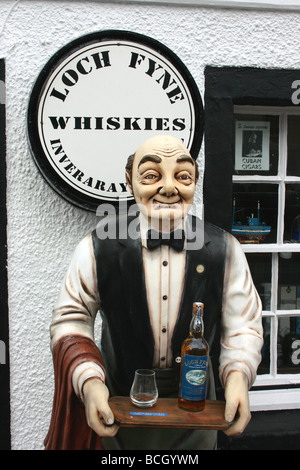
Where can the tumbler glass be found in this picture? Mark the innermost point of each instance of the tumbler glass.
(144, 392)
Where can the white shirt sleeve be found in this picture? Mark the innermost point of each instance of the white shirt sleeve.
(241, 324)
(76, 308)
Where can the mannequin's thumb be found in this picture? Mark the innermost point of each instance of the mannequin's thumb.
(230, 411)
(108, 416)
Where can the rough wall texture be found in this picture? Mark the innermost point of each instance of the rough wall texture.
(43, 229)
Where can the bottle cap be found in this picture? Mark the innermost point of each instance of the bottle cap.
(198, 306)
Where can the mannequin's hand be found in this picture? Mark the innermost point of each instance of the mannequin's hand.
(98, 413)
(237, 403)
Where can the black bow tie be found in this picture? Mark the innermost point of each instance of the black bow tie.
(174, 239)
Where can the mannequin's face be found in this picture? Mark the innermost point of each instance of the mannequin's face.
(163, 180)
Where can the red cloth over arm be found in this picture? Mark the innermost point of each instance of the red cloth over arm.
(68, 427)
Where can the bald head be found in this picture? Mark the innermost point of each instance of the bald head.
(157, 147)
(162, 177)
(162, 145)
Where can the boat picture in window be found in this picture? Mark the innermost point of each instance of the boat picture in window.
(253, 231)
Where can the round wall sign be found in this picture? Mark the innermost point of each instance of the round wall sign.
(96, 101)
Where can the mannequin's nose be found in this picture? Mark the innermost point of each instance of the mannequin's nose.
(169, 187)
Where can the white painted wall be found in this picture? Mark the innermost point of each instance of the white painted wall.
(43, 229)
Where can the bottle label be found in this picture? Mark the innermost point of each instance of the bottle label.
(194, 377)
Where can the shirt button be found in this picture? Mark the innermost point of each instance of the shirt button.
(164, 330)
(165, 297)
(200, 268)
(165, 263)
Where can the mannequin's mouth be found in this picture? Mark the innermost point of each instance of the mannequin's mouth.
(166, 205)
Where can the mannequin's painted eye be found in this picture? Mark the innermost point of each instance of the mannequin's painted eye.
(151, 176)
(184, 177)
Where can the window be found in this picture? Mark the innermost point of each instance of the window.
(266, 220)
(252, 158)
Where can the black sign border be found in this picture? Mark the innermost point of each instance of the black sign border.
(59, 185)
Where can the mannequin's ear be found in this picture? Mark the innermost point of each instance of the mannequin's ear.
(196, 172)
(128, 181)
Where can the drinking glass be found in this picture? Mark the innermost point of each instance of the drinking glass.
(144, 392)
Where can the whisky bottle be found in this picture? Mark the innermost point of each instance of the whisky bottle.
(194, 364)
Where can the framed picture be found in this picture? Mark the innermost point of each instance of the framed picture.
(252, 146)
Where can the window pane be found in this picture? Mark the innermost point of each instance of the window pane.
(289, 281)
(255, 207)
(292, 213)
(288, 359)
(260, 266)
(264, 367)
(293, 163)
(256, 144)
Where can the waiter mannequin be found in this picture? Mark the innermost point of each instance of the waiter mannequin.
(162, 177)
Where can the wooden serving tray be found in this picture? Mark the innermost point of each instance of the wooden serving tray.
(166, 413)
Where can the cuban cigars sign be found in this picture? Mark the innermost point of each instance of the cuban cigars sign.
(96, 101)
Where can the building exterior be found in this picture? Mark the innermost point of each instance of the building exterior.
(244, 57)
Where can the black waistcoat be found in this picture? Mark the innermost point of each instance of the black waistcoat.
(127, 340)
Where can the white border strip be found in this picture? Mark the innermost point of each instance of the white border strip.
(258, 4)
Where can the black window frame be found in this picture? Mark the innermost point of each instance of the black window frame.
(5, 440)
(226, 87)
